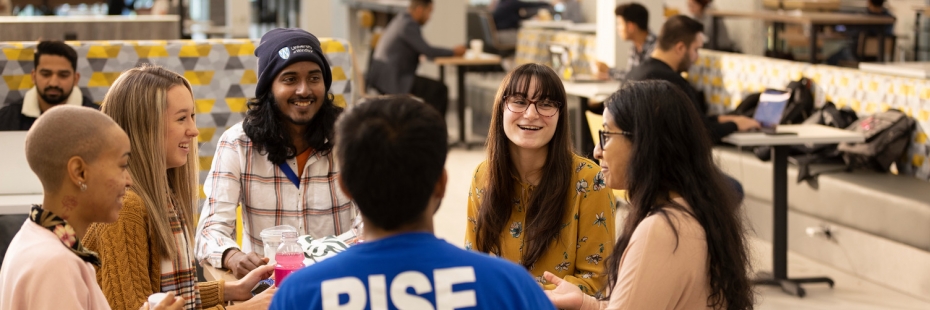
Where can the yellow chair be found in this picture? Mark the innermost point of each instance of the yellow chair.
(594, 124)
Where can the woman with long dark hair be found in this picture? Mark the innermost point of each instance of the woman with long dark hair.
(533, 201)
(682, 245)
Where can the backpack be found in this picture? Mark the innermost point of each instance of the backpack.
(886, 138)
(799, 108)
(806, 154)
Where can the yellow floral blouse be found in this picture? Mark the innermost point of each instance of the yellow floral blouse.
(587, 236)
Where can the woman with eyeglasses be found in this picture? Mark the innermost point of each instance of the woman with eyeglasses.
(533, 201)
(682, 245)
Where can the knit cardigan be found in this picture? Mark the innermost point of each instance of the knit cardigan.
(131, 263)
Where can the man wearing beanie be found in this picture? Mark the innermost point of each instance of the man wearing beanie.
(394, 65)
(278, 162)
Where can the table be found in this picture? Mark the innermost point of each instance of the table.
(18, 204)
(805, 133)
(87, 28)
(211, 273)
(388, 6)
(461, 64)
(918, 10)
(919, 70)
(588, 91)
(813, 20)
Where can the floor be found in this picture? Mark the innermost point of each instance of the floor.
(850, 292)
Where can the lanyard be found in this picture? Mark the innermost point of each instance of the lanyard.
(290, 173)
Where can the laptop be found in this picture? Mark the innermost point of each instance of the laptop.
(16, 178)
(769, 112)
(562, 64)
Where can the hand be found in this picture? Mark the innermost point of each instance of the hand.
(261, 301)
(241, 264)
(744, 123)
(169, 303)
(242, 289)
(565, 295)
(458, 50)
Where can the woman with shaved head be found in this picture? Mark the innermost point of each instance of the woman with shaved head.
(81, 156)
(150, 248)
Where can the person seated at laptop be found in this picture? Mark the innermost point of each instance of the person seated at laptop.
(80, 156)
(632, 26)
(55, 78)
(679, 41)
(393, 68)
(391, 152)
(533, 201)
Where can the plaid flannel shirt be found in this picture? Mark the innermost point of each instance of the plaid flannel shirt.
(241, 175)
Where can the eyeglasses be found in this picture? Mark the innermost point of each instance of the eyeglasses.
(604, 133)
(519, 104)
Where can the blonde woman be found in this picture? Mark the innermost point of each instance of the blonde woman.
(149, 249)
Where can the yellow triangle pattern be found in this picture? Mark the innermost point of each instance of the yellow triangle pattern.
(201, 50)
(338, 74)
(19, 53)
(103, 51)
(18, 82)
(203, 195)
(249, 77)
(205, 162)
(917, 160)
(237, 105)
(199, 77)
(102, 79)
(339, 101)
(240, 49)
(332, 46)
(204, 105)
(206, 134)
(921, 138)
(148, 51)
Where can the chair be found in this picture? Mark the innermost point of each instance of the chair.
(481, 27)
(867, 47)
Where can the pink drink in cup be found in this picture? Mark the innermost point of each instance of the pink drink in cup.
(288, 258)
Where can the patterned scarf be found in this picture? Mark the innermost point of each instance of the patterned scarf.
(178, 274)
(65, 233)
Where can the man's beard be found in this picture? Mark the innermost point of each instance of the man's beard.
(54, 100)
(684, 64)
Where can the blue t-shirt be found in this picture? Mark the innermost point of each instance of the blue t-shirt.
(413, 271)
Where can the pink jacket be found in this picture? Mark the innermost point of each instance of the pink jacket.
(39, 272)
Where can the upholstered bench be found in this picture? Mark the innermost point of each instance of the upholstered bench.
(885, 205)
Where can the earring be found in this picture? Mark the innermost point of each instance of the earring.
(83, 187)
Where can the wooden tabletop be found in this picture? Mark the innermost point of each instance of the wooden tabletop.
(19, 204)
(482, 59)
(799, 17)
(215, 274)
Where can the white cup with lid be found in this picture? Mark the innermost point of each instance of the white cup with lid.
(156, 299)
(271, 238)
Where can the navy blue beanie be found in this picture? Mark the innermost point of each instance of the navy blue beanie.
(282, 47)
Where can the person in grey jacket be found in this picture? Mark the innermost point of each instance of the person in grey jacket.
(394, 65)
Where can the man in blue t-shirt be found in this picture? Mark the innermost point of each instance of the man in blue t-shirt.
(391, 153)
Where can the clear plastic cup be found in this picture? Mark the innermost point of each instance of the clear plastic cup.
(156, 299)
(271, 238)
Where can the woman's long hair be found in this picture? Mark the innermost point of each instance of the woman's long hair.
(138, 102)
(263, 124)
(671, 152)
(547, 204)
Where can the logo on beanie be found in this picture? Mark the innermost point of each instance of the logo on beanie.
(285, 52)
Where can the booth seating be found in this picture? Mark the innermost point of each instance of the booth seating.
(879, 218)
(221, 71)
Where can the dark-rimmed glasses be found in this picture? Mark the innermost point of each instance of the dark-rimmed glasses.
(604, 133)
(518, 104)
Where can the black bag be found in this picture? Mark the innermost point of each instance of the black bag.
(806, 154)
(886, 138)
(800, 106)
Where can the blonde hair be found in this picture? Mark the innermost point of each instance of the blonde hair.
(138, 102)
